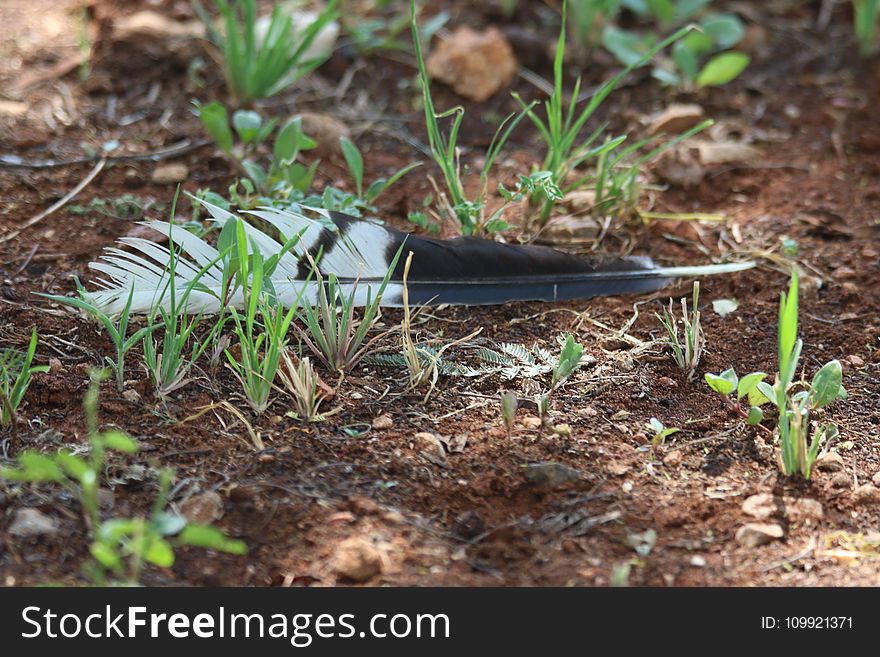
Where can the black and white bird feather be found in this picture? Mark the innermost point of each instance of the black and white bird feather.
(464, 271)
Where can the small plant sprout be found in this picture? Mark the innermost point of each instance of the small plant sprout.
(866, 16)
(509, 403)
(167, 364)
(118, 544)
(470, 214)
(746, 389)
(563, 122)
(123, 546)
(355, 162)
(16, 370)
(282, 176)
(332, 333)
(304, 386)
(702, 58)
(569, 361)
(424, 363)
(660, 432)
(79, 476)
(261, 344)
(117, 329)
(687, 349)
(799, 441)
(264, 56)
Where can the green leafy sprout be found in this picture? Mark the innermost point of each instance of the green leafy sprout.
(16, 370)
(687, 349)
(116, 540)
(260, 63)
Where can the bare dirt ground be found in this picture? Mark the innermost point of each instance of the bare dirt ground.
(468, 516)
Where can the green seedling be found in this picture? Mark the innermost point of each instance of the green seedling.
(742, 396)
(261, 344)
(116, 542)
(659, 432)
(509, 403)
(702, 58)
(257, 62)
(116, 329)
(866, 14)
(796, 400)
(283, 176)
(469, 213)
(355, 162)
(303, 385)
(16, 370)
(331, 332)
(687, 349)
(563, 123)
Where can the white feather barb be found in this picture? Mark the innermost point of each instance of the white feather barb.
(144, 267)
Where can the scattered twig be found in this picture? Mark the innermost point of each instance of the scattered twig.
(180, 148)
(57, 205)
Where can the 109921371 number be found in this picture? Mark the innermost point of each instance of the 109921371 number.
(818, 622)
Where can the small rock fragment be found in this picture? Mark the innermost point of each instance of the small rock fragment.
(171, 173)
(357, 559)
(468, 525)
(383, 422)
(131, 395)
(617, 468)
(153, 25)
(830, 462)
(13, 108)
(363, 505)
(677, 118)
(761, 506)
(876, 478)
(867, 495)
(55, 366)
(673, 458)
(804, 510)
(531, 422)
(856, 361)
(679, 167)
(203, 508)
(725, 152)
(430, 446)
(29, 523)
(754, 534)
(550, 474)
(475, 64)
(106, 498)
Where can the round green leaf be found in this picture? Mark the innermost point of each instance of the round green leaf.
(120, 442)
(628, 47)
(160, 552)
(212, 538)
(755, 416)
(749, 383)
(724, 29)
(247, 124)
(722, 68)
(723, 383)
(826, 385)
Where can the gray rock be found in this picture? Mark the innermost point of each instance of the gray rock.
(830, 462)
(761, 506)
(754, 534)
(30, 523)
